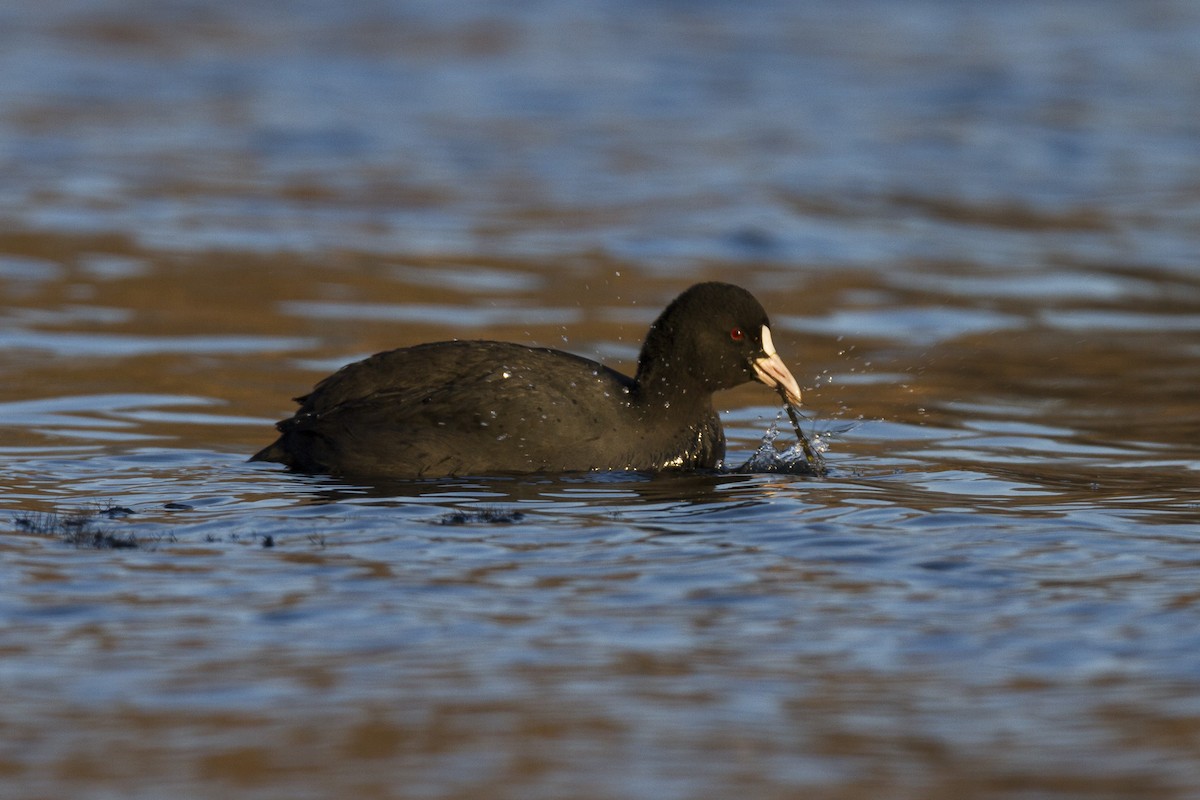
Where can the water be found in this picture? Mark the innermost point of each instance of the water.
(974, 227)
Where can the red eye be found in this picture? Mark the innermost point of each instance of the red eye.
(737, 334)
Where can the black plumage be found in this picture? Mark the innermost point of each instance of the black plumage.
(481, 407)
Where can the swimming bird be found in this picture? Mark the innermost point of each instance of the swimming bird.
(483, 407)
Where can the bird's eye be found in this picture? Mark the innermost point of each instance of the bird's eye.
(737, 334)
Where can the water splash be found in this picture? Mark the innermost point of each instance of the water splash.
(805, 457)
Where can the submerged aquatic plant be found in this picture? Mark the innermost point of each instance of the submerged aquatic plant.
(812, 456)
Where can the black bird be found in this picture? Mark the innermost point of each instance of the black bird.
(482, 408)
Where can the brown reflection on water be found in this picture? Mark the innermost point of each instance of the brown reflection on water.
(168, 300)
(244, 332)
(981, 267)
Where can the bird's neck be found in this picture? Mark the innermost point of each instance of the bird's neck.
(676, 392)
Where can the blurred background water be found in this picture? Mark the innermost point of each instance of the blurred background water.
(975, 227)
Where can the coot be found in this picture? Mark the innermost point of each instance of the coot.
(481, 408)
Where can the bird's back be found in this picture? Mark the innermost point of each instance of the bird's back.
(471, 407)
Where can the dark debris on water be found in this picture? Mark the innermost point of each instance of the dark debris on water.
(264, 540)
(85, 528)
(79, 528)
(490, 516)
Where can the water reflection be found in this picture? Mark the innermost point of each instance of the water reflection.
(79, 345)
(598, 494)
(461, 317)
(974, 230)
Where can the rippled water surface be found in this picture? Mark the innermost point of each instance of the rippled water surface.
(976, 228)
